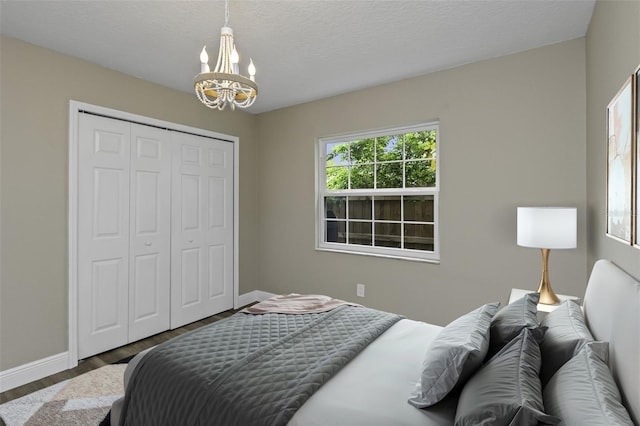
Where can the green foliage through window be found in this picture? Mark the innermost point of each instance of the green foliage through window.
(398, 161)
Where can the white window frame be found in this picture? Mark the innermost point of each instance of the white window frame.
(322, 192)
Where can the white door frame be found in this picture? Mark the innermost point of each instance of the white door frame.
(75, 109)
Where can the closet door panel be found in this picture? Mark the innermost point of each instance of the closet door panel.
(216, 208)
(217, 270)
(202, 270)
(150, 232)
(190, 200)
(109, 186)
(106, 276)
(187, 266)
(145, 292)
(219, 171)
(191, 278)
(103, 234)
(190, 238)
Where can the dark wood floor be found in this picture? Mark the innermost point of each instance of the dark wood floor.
(106, 358)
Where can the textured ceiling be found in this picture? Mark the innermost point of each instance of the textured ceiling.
(303, 49)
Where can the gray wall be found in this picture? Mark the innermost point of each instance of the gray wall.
(34, 137)
(512, 133)
(613, 53)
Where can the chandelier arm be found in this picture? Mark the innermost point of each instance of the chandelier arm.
(220, 57)
(228, 46)
(224, 54)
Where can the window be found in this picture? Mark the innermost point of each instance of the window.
(378, 193)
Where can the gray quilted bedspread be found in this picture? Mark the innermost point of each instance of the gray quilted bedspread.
(247, 369)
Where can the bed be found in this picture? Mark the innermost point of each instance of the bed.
(393, 378)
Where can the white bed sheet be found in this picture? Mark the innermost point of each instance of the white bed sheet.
(374, 387)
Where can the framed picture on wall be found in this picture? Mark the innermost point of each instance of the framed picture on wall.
(620, 159)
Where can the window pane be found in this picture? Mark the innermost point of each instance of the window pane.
(418, 208)
(335, 207)
(387, 235)
(337, 154)
(389, 148)
(362, 151)
(360, 233)
(362, 176)
(418, 237)
(338, 177)
(420, 174)
(360, 208)
(336, 231)
(420, 144)
(387, 208)
(389, 175)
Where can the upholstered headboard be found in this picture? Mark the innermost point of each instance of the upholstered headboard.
(612, 311)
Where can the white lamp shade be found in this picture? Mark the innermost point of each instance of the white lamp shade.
(547, 227)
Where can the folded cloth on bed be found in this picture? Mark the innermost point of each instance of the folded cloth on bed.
(296, 304)
(247, 369)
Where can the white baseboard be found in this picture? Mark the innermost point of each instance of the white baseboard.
(36, 370)
(253, 296)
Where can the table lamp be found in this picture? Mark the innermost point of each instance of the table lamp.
(547, 228)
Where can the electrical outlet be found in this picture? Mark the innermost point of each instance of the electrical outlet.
(360, 290)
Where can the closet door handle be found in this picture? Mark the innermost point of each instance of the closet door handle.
(148, 243)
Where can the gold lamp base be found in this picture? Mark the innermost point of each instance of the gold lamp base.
(547, 295)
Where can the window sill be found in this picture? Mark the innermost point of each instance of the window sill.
(388, 256)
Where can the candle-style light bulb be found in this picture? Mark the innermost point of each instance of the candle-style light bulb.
(235, 59)
(204, 59)
(252, 70)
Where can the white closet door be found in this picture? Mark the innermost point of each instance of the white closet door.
(150, 236)
(103, 237)
(202, 228)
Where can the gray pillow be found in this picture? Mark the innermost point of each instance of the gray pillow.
(506, 390)
(582, 392)
(454, 355)
(566, 334)
(510, 320)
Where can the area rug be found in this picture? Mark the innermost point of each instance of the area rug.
(84, 400)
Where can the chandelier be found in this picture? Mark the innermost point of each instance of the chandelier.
(225, 86)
